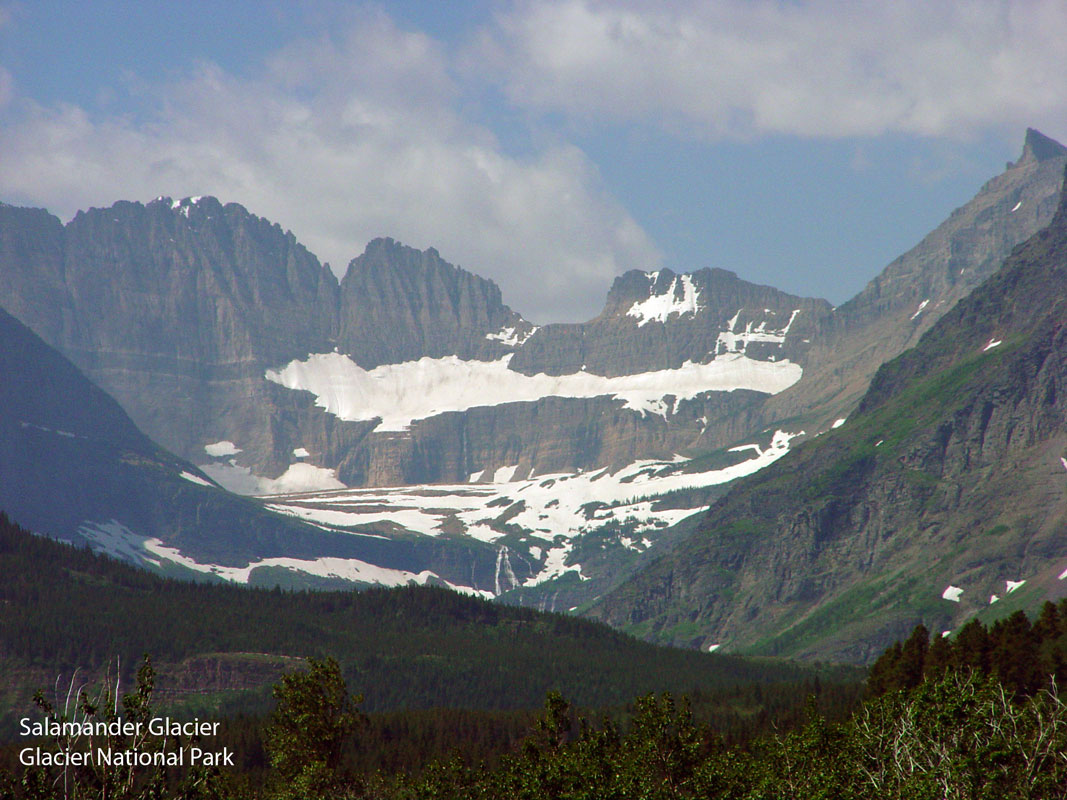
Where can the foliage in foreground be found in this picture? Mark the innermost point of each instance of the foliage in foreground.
(961, 736)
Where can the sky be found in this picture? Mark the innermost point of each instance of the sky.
(549, 146)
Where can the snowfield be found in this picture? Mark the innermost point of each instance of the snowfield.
(399, 394)
(658, 307)
(544, 517)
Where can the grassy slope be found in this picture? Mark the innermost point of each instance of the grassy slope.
(949, 472)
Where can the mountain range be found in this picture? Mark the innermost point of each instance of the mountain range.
(423, 430)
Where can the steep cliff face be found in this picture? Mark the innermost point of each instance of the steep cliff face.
(176, 308)
(74, 466)
(402, 304)
(943, 493)
(904, 300)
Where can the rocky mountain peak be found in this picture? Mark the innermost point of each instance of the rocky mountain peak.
(399, 303)
(1038, 147)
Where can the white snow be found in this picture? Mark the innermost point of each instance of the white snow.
(399, 394)
(879, 443)
(556, 508)
(114, 539)
(734, 341)
(508, 336)
(554, 566)
(919, 310)
(992, 343)
(945, 634)
(1063, 575)
(743, 447)
(838, 422)
(993, 598)
(658, 307)
(330, 567)
(1016, 206)
(713, 647)
(299, 477)
(1013, 585)
(300, 452)
(476, 476)
(220, 449)
(194, 478)
(952, 593)
(56, 431)
(505, 474)
(1063, 461)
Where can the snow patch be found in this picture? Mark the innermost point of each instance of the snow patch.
(351, 569)
(399, 394)
(114, 539)
(510, 336)
(220, 449)
(1012, 586)
(299, 477)
(838, 422)
(713, 647)
(658, 307)
(952, 593)
(733, 341)
(919, 310)
(945, 634)
(992, 343)
(505, 474)
(1016, 207)
(194, 478)
(300, 452)
(993, 598)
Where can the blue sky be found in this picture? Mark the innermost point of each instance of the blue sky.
(547, 145)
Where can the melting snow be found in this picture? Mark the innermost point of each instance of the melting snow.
(993, 598)
(330, 567)
(1016, 206)
(945, 634)
(733, 341)
(509, 337)
(992, 343)
(223, 448)
(1063, 575)
(919, 310)
(505, 474)
(1013, 585)
(301, 452)
(838, 422)
(1063, 461)
(660, 306)
(556, 508)
(713, 647)
(952, 593)
(114, 539)
(299, 477)
(399, 394)
(476, 476)
(194, 478)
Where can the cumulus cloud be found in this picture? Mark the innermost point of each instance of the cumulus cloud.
(344, 138)
(820, 69)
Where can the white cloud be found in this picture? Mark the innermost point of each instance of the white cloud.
(744, 67)
(343, 139)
